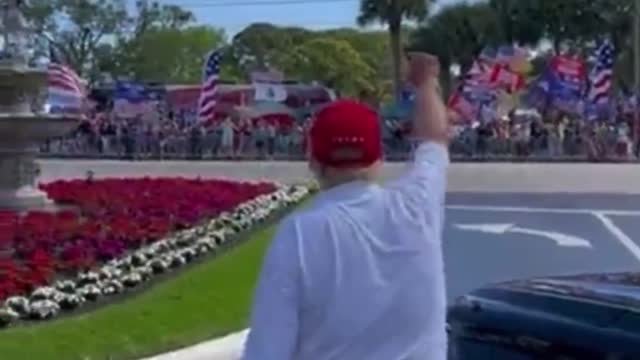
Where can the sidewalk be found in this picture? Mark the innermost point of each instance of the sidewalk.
(226, 348)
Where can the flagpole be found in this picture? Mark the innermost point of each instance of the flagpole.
(636, 71)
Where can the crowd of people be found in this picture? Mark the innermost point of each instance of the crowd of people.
(565, 138)
(177, 135)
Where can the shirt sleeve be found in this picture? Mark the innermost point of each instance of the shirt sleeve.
(274, 320)
(424, 185)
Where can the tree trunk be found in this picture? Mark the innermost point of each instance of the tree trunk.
(396, 56)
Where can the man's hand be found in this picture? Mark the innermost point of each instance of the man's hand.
(431, 123)
(424, 69)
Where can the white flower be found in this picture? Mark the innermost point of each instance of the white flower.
(44, 309)
(7, 316)
(109, 272)
(138, 259)
(112, 287)
(88, 278)
(131, 280)
(19, 304)
(177, 261)
(188, 254)
(66, 286)
(71, 301)
(159, 266)
(43, 293)
(144, 271)
(218, 237)
(90, 292)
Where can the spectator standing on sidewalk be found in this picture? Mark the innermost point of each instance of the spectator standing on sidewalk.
(226, 146)
(359, 274)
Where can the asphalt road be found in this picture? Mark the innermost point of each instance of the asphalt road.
(497, 237)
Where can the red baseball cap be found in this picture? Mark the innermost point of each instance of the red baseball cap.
(346, 134)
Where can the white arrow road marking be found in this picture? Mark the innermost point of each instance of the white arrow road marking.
(559, 238)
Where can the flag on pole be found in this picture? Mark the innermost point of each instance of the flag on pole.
(600, 78)
(210, 82)
(67, 91)
(268, 86)
(133, 99)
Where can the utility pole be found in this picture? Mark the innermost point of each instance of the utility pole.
(636, 72)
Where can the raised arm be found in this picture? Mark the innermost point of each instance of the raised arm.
(430, 123)
(424, 185)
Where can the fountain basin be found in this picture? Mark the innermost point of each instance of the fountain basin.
(20, 137)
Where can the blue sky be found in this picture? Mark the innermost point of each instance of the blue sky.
(234, 15)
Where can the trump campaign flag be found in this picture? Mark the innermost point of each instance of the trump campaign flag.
(133, 99)
(566, 77)
(562, 84)
(465, 108)
(494, 72)
(506, 67)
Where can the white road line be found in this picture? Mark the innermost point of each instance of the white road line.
(625, 240)
(543, 210)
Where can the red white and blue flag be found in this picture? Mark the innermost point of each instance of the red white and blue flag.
(600, 78)
(209, 90)
(67, 91)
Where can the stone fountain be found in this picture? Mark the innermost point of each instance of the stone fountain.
(24, 124)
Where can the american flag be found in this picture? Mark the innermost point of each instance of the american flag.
(67, 92)
(64, 80)
(209, 88)
(600, 79)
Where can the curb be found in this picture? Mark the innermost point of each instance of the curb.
(226, 348)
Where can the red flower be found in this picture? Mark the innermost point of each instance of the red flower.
(107, 218)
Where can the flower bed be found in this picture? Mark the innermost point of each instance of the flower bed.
(115, 234)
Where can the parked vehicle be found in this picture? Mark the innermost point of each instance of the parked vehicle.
(583, 317)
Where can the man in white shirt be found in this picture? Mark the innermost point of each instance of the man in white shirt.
(359, 274)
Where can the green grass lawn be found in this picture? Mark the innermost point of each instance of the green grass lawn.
(209, 300)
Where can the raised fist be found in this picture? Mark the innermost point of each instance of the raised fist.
(423, 68)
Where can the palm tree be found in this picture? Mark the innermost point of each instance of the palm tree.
(393, 13)
(456, 34)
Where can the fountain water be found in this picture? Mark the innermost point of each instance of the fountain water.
(24, 124)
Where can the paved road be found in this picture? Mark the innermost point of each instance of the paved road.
(610, 224)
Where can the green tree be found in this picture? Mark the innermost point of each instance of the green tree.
(77, 28)
(520, 21)
(151, 23)
(173, 55)
(373, 47)
(392, 13)
(456, 35)
(153, 15)
(566, 23)
(333, 62)
(262, 46)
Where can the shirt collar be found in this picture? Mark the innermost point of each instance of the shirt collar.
(345, 192)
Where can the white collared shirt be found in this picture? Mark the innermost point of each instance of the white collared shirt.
(359, 274)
